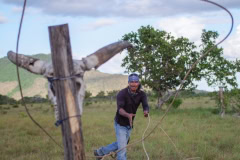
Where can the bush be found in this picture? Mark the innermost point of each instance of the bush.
(3, 112)
(6, 108)
(231, 100)
(34, 99)
(100, 94)
(15, 106)
(7, 100)
(87, 103)
(177, 102)
(88, 94)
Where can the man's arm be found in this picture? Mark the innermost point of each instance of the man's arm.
(145, 105)
(122, 112)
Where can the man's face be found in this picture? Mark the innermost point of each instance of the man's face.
(133, 85)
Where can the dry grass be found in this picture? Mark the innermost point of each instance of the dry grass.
(197, 132)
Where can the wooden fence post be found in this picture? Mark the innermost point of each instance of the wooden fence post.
(222, 113)
(66, 93)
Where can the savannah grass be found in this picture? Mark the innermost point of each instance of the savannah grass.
(193, 127)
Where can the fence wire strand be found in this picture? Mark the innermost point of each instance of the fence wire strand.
(19, 80)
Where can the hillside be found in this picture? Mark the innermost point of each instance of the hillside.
(37, 85)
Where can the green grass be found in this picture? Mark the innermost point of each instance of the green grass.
(195, 130)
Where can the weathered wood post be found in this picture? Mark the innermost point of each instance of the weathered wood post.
(66, 93)
(222, 113)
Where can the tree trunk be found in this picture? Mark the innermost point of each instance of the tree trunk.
(159, 103)
(163, 97)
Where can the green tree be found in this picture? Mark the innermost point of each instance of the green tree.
(217, 70)
(88, 94)
(100, 94)
(112, 94)
(177, 102)
(231, 100)
(162, 61)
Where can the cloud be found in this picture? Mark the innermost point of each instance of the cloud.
(18, 9)
(100, 23)
(114, 64)
(232, 45)
(124, 8)
(190, 27)
(3, 19)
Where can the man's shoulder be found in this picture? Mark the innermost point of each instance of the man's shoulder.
(142, 91)
(123, 91)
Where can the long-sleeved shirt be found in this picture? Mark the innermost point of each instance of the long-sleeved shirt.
(130, 103)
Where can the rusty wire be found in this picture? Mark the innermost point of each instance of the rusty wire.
(19, 80)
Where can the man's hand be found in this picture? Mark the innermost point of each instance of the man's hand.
(130, 117)
(145, 113)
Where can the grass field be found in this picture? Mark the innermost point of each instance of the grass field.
(194, 128)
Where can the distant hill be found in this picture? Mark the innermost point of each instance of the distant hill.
(37, 85)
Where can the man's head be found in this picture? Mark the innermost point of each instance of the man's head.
(133, 82)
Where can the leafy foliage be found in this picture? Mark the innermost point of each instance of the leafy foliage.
(231, 100)
(100, 94)
(177, 102)
(162, 61)
(7, 100)
(88, 94)
(217, 70)
(35, 99)
(112, 94)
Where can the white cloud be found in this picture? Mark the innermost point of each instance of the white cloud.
(3, 19)
(114, 64)
(190, 27)
(232, 45)
(19, 9)
(124, 8)
(100, 23)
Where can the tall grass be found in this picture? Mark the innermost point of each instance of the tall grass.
(194, 129)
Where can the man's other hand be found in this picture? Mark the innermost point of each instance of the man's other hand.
(145, 113)
(130, 117)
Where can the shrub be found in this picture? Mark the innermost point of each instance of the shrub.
(3, 112)
(87, 103)
(6, 108)
(7, 100)
(100, 94)
(88, 94)
(177, 102)
(231, 100)
(15, 106)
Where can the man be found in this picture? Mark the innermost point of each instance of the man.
(128, 101)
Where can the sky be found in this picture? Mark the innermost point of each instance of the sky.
(96, 23)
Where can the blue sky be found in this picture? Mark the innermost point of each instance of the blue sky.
(94, 24)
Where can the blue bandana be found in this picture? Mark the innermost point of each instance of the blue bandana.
(133, 77)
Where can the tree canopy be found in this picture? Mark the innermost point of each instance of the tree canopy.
(162, 60)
